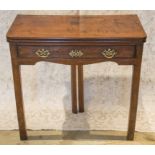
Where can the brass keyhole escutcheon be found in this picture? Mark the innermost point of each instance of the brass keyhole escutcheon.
(75, 53)
(43, 53)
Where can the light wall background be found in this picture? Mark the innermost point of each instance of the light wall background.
(46, 87)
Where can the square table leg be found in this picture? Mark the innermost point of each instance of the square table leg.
(80, 88)
(134, 94)
(74, 89)
(19, 100)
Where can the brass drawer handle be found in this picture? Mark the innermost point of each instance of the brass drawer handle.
(75, 53)
(109, 53)
(43, 53)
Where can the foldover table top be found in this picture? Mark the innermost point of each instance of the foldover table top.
(76, 27)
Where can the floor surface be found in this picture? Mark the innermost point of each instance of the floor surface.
(75, 137)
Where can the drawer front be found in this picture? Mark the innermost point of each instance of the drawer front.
(76, 52)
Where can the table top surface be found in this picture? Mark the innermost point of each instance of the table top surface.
(76, 27)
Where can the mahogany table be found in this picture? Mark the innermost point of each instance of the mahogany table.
(76, 41)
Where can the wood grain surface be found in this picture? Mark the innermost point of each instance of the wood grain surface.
(74, 26)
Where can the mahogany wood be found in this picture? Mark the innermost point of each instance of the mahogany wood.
(74, 88)
(134, 93)
(91, 35)
(80, 88)
(18, 95)
(76, 27)
(89, 52)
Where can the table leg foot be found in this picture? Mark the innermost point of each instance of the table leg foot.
(130, 136)
(23, 137)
